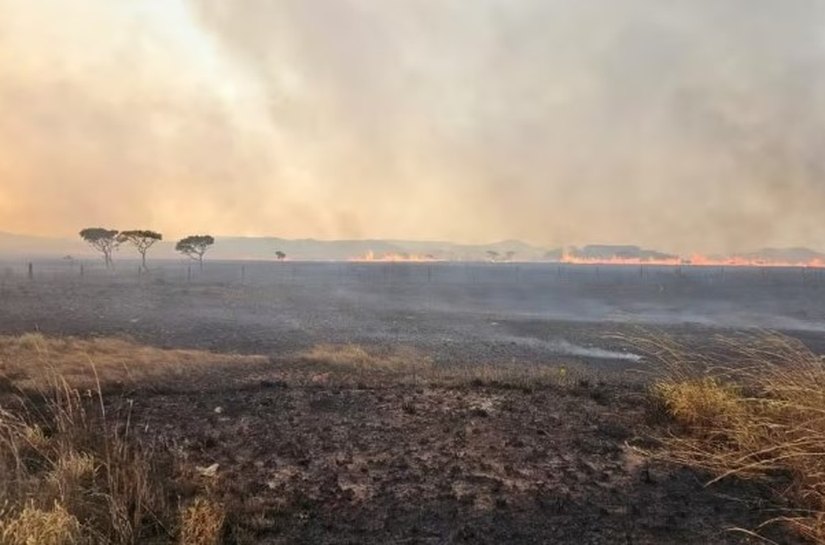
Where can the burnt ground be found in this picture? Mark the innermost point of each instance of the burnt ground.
(375, 460)
(308, 457)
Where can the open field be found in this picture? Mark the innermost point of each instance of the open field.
(443, 403)
(456, 312)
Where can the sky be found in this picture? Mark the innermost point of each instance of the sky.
(682, 125)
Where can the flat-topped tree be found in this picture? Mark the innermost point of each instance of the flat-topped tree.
(280, 255)
(142, 240)
(103, 240)
(195, 247)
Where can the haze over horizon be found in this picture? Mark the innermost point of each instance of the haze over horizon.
(688, 126)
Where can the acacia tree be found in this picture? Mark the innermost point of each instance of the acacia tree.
(103, 240)
(195, 247)
(280, 255)
(142, 241)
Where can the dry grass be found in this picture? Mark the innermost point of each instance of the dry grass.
(405, 365)
(202, 523)
(33, 526)
(72, 469)
(84, 479)
(754, 408)
(29, 362)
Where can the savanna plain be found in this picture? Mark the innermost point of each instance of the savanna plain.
(331, 403)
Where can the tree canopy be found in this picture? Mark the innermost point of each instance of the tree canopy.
(142, 240)
(195, 246)
(103, 240)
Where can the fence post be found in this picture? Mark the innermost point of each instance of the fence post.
(31, 271)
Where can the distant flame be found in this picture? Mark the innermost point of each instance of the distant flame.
(697, 260)
(392, 257)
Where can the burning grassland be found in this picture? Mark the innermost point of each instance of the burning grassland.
(634, 255)
(394, 257)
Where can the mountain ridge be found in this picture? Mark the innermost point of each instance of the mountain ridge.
(235, 247)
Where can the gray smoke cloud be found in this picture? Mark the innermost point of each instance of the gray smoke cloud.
(686, 125)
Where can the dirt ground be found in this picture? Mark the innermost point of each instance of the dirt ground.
(308, 453)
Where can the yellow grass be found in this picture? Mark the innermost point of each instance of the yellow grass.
(753, 408)
(82, 483)
(202, 523)
(352, 362)
(72, 471)
(33, 526)
(30, 361)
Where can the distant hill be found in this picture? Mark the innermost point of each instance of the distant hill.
(614, 251)
(311, 249)
(264, 248)
(22, 246)
(785, 255)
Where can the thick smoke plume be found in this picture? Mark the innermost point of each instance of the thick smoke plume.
(687, 125)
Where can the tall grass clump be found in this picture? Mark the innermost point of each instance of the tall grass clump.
(69, 475)
(73, 470)
(750, 407)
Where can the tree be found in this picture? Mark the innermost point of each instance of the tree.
(280, 255)
(510, 255)
(493, 255)
(142, 241)
(195, 247)
(103, 240)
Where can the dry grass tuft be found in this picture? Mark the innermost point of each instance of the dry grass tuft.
(33, 526)
(86, 477)
(72, 468)
(30, 361)
(751, 407)
(202, 523)
(701, 404)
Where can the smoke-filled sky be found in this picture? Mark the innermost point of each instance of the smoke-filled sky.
(685, 125)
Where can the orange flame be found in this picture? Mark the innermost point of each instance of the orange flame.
(392, 257)
(695, 260)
